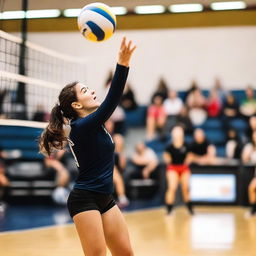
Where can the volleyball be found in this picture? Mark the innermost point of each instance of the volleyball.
(96, 22)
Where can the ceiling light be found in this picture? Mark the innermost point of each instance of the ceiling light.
(217, 6)
(149, 9)
(51, 13)
(186, 8)
(119, 10)
(71, 12)
(12, 15)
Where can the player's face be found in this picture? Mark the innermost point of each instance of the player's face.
(86, 97)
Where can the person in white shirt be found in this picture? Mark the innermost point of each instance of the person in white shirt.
(173, 104)
(144, 162)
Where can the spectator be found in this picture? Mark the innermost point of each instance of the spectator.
(120, 164)
(230, 109)
(196, 103)
(249, 157)
(40, 115)
(156, 117)
(143, 163)
(248, 105)
(128, 101)
(172, 106)
(233, 145)
(123, 201)
(201, 151)
(54, 162)
(4, 182)
(184, 121)
(177, 171)
(118, 117)
(213, 105)
(191, 89)
(218, 88)
(162, 90)
(249, 151)
(251, 128)
(196, 99)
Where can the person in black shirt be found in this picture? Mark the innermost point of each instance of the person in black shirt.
(177, 171)
(128, 101)
(98, 220)
(201, 151)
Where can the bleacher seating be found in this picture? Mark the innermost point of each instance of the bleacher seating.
(26, 171)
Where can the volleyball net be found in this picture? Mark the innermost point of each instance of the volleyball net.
(30, 85)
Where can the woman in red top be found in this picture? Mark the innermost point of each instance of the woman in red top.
(156, 116)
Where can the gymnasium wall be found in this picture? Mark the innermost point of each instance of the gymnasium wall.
(178, 55)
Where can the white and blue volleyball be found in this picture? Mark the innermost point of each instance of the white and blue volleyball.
(97, 22)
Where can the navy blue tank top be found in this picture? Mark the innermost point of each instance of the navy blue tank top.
(92, 145)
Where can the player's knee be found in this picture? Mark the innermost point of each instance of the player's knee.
(171, 190)
(98, 251)
(127, 252)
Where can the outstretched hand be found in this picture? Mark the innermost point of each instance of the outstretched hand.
(125, 53)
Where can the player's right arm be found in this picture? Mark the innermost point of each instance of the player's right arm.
(105, 110)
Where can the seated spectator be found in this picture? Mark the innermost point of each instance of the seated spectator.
(162, 90)
(143, 163)
(233, 145)
(156, 117)
(196, 103)
(40, 115)
(128, 101)
(219, 89)
(249, 151)
(4, 182)
(120, 164)
(172, 106)
(249, 157)
(54, 162)
(196, 99)
(118, 117)
(201, 151)
(248, 105)
(251, 128)
(213, 105)
(230, 109)
(123, 201)
(191, 89)
(184, 121)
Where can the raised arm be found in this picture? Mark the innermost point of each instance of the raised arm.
(113, 97)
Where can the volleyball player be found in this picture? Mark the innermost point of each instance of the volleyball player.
(98, 220)
(177, 171)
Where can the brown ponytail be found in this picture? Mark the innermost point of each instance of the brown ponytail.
(53, 136)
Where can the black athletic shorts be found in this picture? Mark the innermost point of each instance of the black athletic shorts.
(80, 200)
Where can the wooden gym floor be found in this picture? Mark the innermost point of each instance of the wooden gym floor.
(220, 231)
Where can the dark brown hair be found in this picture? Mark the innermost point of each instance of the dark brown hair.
(53, 136)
